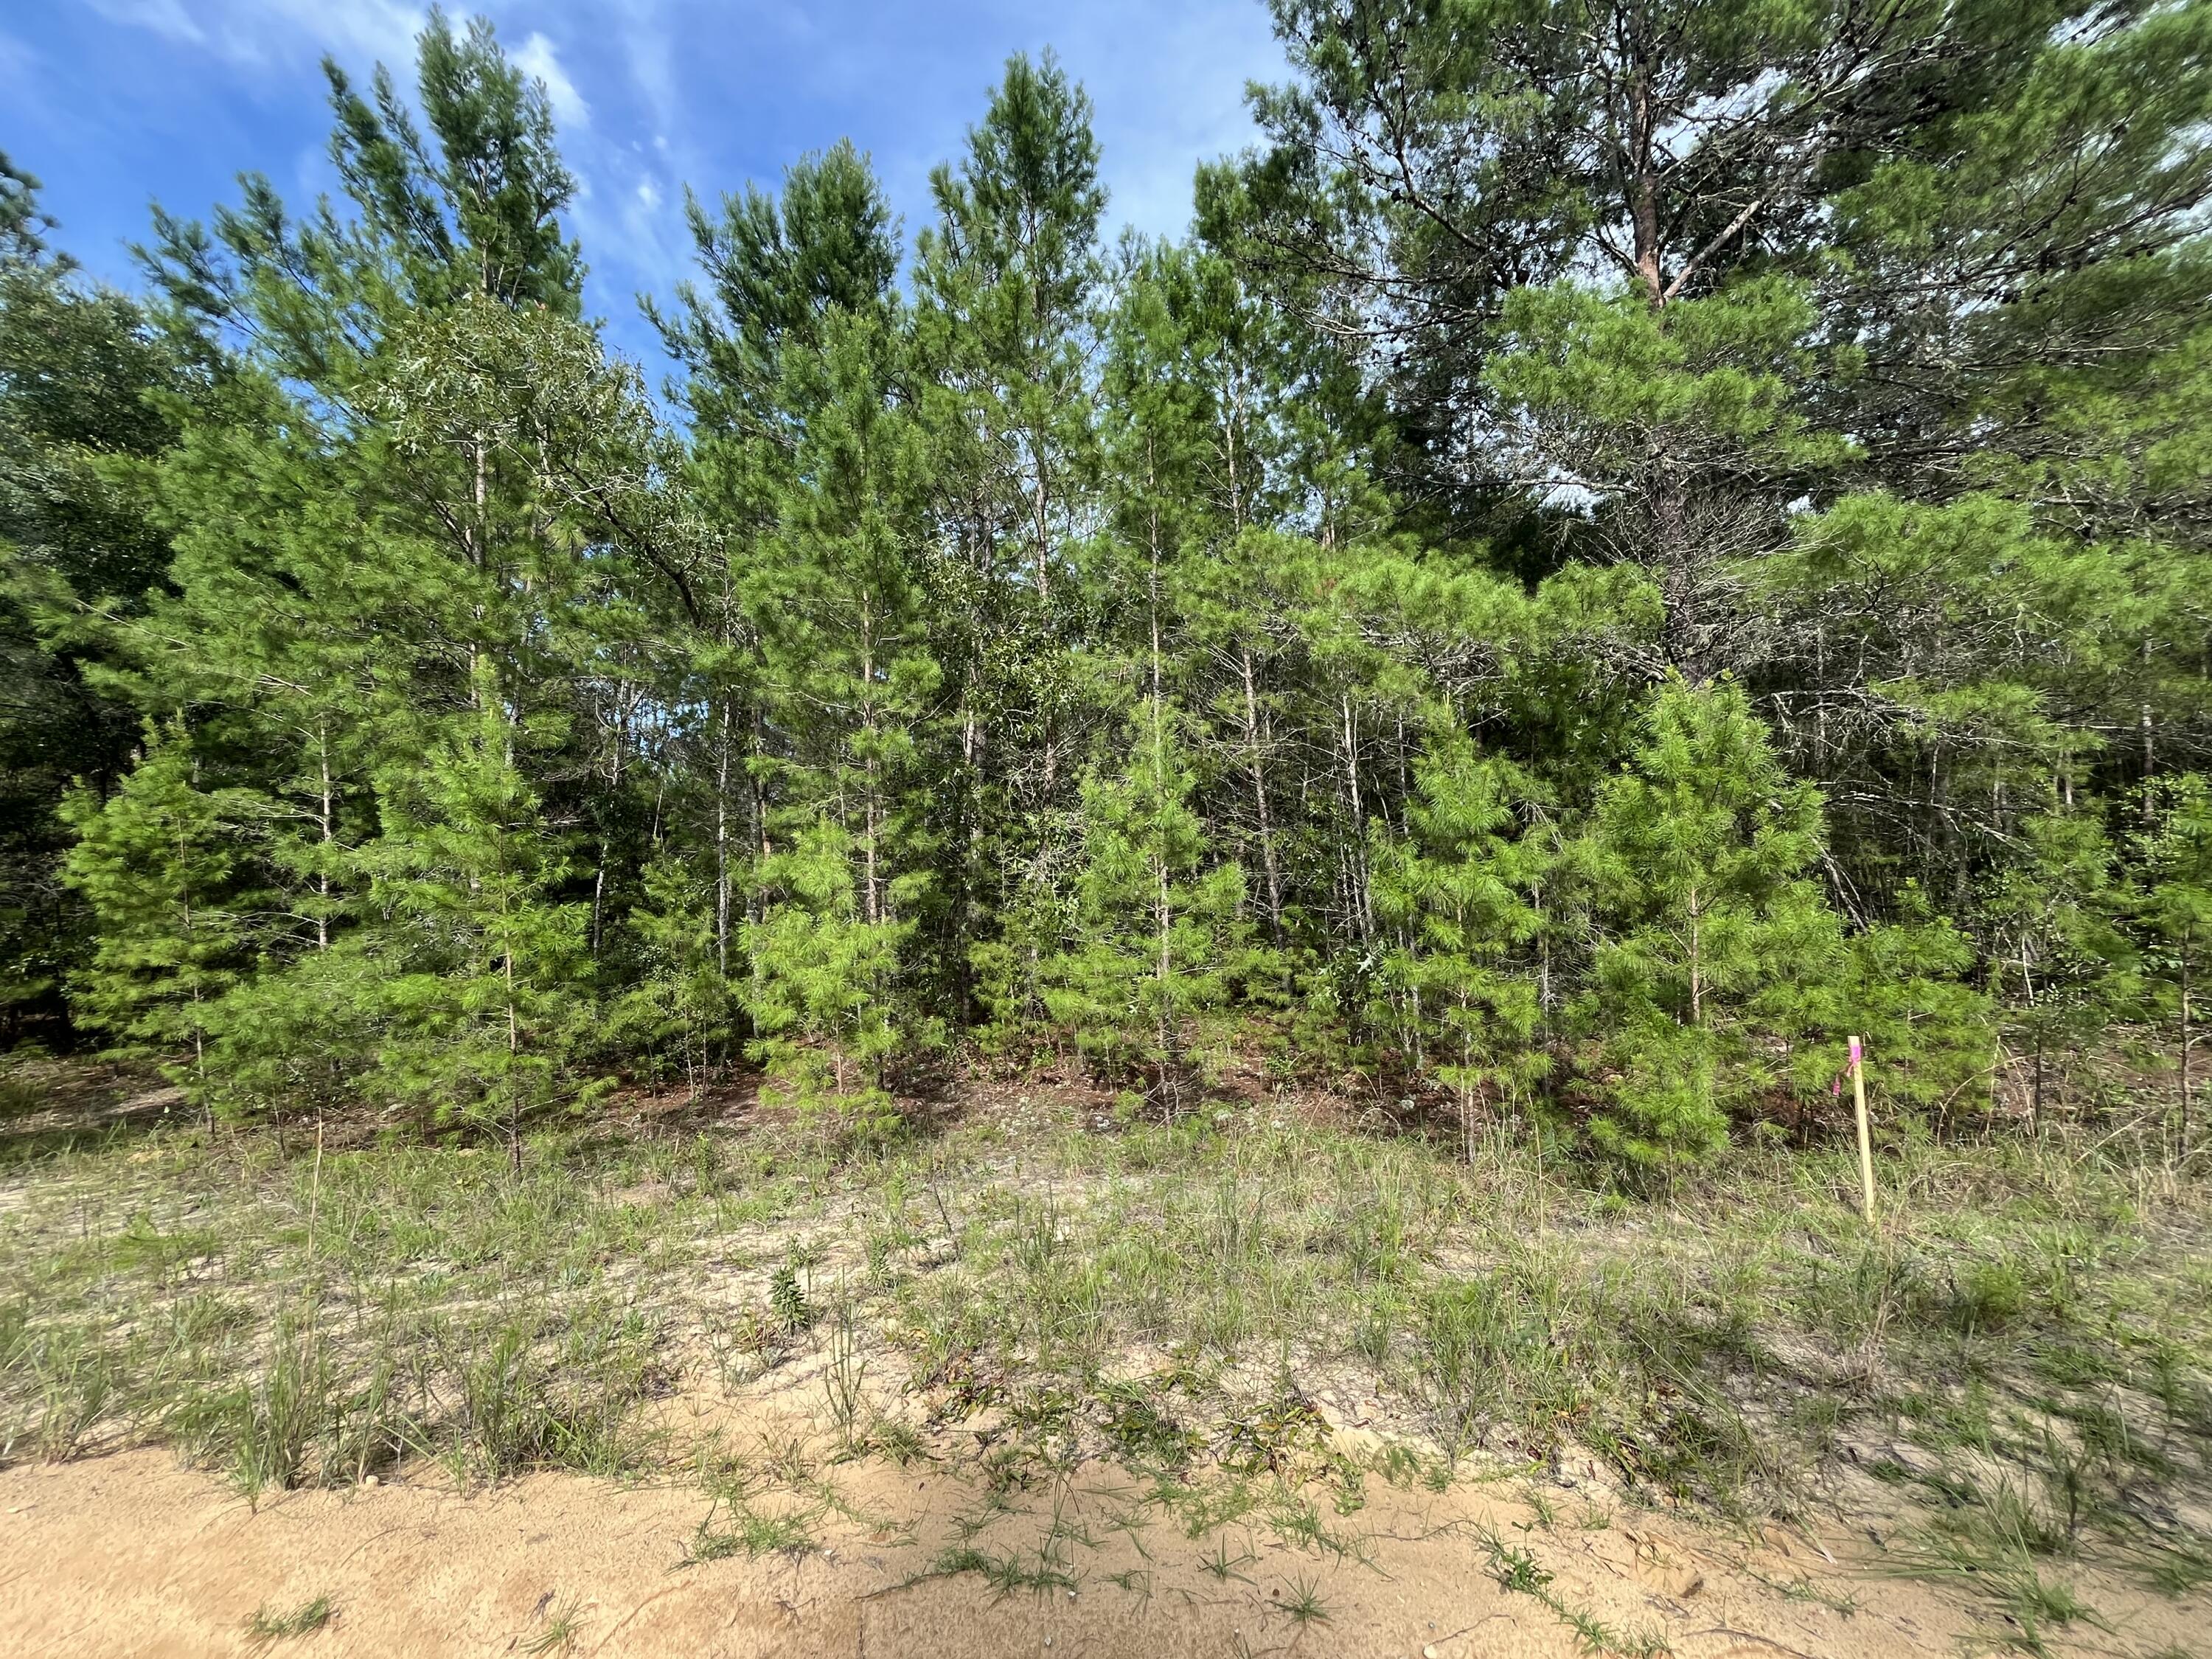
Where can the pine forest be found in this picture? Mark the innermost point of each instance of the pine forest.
(1635, 550)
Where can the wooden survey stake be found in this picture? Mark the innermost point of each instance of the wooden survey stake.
(1866, 1141)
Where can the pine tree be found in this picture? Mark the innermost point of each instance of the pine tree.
(157, 863)
(1198, 379)
(1695, 857)
(1006, 282)
(1157, 921)
(822, 990)
(1461, 894)
(2055, 951)
(680, 1000)
(844, 643)
(20, 220)
(420, 489)
(788, 276)
(1929, 1033)
(2175, 911)
(486, 986)
(89, 392)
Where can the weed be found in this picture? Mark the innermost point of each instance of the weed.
(745, 1347)
(268, 1625)
(560, 1626)
(1223, 1567)
(279, 1419)
(843, 1378)
(1304, 1606)
(749, 1531)
(1515, 1569)
(788, 1301)
(1143, 1434)
(76, 1378)
(1038, 1572)
(1137, 1581)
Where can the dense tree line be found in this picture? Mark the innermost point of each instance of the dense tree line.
(1635, 537)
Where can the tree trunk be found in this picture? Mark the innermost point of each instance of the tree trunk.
(1269, 873)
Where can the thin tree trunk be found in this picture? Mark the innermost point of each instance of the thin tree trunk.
(2149, 749)
(1165, 969)
(1356, 849)
(2186, 1038)
(323, 872)
(722, 846)
(1697, 963)
(1270, 873)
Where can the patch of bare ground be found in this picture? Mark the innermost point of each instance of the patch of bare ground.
(134, 1555)
(1278, 1376)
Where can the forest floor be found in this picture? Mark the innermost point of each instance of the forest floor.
(1282, 1376)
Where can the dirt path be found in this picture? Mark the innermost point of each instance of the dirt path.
(133, 1555)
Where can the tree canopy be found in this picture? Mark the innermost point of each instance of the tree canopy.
(1633, 539)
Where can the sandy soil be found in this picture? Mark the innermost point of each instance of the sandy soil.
(133, 1555)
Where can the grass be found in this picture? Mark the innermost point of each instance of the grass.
(561, 1626)
(1515, 1570)
(268, 1626)
(2031, 1330)
(1304, 1605)
(749, 1531)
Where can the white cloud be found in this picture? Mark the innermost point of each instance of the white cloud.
(167, 18)
(16, 58)
(652, 54)
(537, 55)
(651, 95)
(278, 32)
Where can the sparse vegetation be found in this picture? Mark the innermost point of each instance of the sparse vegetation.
(560, 1624)
(1172, 882)
(2016, 1363)
(269, 1625)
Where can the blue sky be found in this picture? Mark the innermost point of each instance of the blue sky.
(115, 103)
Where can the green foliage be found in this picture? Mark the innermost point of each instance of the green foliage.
(681, 1008)
(21, 221)
(86, 398)
(485, 978)
(1465, 894)
(1246, 641)
(822, 985)
(2173, 912)
(157, 862)
(1929, 1033)
(1158, 923)
(2058, 956)
(1695, 858)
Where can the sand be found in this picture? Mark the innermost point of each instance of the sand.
(133, 1554)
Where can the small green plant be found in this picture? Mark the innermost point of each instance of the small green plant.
(1517, 1571)
(561, 1626)
(279, 1419)
(1006, 1574)
(749, 1533)
(1991, 1295)
(76, 1378)
(1222, 1565)
(1513, 1567)
(843, 1378)
(268, 1624)
(745, 1347)
(1304, 1606)
(787, 1302)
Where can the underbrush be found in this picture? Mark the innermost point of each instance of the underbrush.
(2012, 1369)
